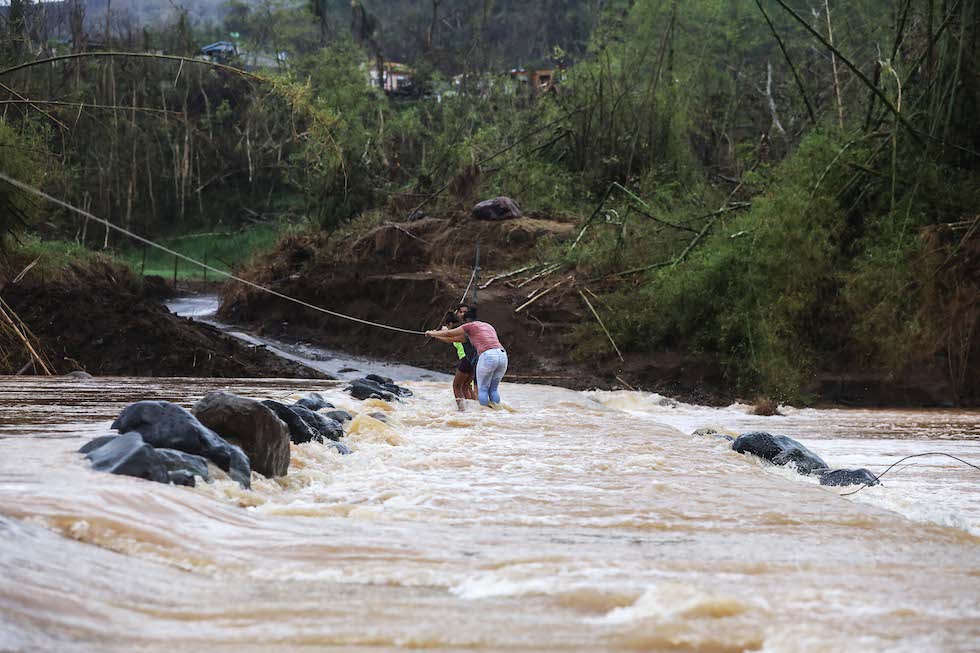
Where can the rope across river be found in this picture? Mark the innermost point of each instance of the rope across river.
(40, 193)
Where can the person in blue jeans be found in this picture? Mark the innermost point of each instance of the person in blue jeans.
(492, 364)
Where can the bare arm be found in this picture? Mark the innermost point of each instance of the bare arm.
(452, 335)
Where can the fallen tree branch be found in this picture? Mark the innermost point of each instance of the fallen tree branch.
(540, 295)
(599, 319)
(407, 232)
(501, 277)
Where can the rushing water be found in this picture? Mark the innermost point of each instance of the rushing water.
(582, 521)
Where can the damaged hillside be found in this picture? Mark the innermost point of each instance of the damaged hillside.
(757, 199)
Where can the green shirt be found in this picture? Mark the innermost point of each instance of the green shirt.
(459, 350)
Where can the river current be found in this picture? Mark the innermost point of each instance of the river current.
(574, 522)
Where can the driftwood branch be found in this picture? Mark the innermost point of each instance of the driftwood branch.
(507, 275)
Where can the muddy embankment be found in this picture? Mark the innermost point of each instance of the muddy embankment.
(101, 318)
(410, 274)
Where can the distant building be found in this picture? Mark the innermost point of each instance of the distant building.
(398, 77)
(540, 80)
(222, 51)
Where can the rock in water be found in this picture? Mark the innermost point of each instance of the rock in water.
(368, 389)
(780, 450)
(299, 430)
(840, 477)
(341, 448)
(339, 416)
(314, 401)
(92, 445)
(180, 477)
(180, 462)
(325, 427)
(169, 426)
(380, 380)
(499, 208)
(709, 432)
(129, 455)
(250, 425)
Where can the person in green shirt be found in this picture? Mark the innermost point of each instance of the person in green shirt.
(463, 383)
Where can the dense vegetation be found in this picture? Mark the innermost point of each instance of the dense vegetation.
(796, 183)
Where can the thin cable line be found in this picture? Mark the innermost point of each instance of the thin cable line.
(42, 194)
(472, 276)
(917, 455)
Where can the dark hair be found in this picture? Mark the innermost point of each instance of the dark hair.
(470, 315)
(451, 319)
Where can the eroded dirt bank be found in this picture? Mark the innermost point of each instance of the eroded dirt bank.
(409, 274)
(103, 319)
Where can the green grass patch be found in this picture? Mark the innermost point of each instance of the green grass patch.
(224, 251)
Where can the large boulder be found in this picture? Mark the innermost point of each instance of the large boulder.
(314, 401)
(499, 208)
(325, 427)
(380, 380)
(780, 450)
(129, 455)
(839, 477)
(248, 424)
(169, 426)
(299, 430)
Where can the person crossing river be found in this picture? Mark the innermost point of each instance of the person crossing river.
(492, 363)
(463, 380)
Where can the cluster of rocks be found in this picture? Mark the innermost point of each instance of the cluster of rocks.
(374, 386)
(781, 450)
(163, 442)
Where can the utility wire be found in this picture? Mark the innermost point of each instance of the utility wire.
(917, 455)
(146, 241)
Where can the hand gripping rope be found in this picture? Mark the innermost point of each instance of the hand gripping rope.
(62, 203)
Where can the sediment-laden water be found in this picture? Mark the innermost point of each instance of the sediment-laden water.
(582, 521)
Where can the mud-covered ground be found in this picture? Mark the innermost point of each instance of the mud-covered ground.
(102, 319)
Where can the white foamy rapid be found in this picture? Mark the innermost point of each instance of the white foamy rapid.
(579, 522)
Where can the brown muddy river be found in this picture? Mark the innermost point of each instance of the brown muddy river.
(580, 522)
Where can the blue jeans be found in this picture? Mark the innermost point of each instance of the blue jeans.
(490, 369)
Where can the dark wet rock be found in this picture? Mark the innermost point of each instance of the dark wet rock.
(178, 461)
(314, 401)
(498, 208)
(326, 428)
(839, 477)
(368, 389)
(299, 430)
(169, 426)
(381, 417)
(341, 448)
(780, 450)
(397, 390)
(92, 445)
(380, 380)
(78, 375)
(248, 424)
(707, 431)
(339, 415)
(181, 477)
(129, 455)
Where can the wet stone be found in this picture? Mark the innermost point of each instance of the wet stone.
(314, 401)
(167, 425)
(178, 461)
(325, 428)
(250, 425)
(299, 430)
(129, 455)
(841, 477)
(780, 450)
(339, 415)
(92, 445)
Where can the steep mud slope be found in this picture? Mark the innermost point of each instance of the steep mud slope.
(101, 318)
